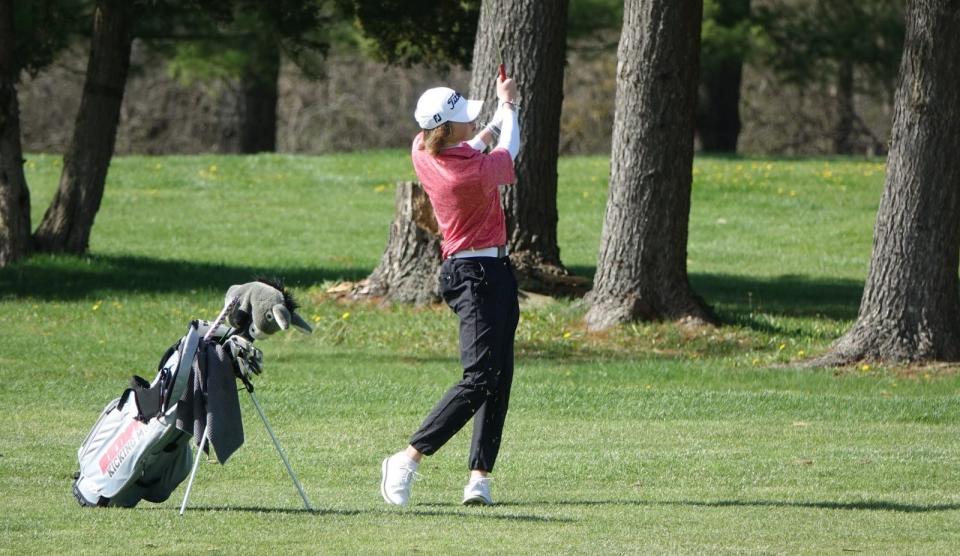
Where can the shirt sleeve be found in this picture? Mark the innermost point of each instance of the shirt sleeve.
(497, 168)
(510, 133)
(477, 143)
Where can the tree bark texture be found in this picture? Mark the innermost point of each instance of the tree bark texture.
(718, 117)
(258, 124)
(642, 263)
(531, 34)
(910, 310)
(15, 242)
(410, 265)
(67, 224)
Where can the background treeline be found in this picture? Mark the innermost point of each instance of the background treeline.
(807, 77)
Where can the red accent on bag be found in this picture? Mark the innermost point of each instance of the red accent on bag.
(118, 445)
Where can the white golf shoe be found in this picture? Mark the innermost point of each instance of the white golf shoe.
(477, 492)
(397, 475)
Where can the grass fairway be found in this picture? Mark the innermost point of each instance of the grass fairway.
(651, 438)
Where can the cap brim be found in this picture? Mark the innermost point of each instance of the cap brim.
(469, 113)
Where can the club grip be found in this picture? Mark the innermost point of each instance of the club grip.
(503, 72)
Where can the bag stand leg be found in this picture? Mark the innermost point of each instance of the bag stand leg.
(193, 472)
(283, 456)
(276, 443)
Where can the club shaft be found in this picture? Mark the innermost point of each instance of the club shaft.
(220, 318)
(283, 456)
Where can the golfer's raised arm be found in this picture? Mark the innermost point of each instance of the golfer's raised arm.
(510, 131)
(509, 126)
(507, 110)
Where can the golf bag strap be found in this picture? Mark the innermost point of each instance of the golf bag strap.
(167, 354)
(148, 399)
(188, 352)
(124, 397)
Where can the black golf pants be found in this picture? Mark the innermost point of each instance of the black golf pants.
(482, 291)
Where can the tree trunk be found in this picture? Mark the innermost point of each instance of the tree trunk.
(258, 83)
(531, 34)
(719, 126)
(67, 224)
(718, 115)
(14, 195)
(408, 271)
(642, 264)
(910, 310)
(843, 131)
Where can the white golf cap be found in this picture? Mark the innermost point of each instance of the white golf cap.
(442, 104)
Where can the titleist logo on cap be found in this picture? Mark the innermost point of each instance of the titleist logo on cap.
(451, 102)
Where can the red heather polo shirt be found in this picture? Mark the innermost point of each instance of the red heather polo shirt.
(462, 185)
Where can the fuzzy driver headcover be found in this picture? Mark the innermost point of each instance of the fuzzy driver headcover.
(265, 308)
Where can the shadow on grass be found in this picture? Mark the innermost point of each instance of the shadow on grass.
(70, 277)
(413, 512)
(868, 505)
(483, 514)
(739, 298)
(877, 505)
(787, 295)
(262, 510)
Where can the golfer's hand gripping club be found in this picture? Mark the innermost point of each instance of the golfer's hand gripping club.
(507, 116)
(507, 91)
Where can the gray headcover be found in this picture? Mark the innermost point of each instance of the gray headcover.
(266, 309)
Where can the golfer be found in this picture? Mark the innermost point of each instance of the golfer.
(476, 279)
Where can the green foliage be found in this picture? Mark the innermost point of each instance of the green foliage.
(441, 34)
(203, 60)
(45, 27)
(649, 438)
(727, 35)
(588, 17)
(227, 38)
(804, 42)
(408, 32)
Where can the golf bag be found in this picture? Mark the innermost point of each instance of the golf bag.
(136, 451)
